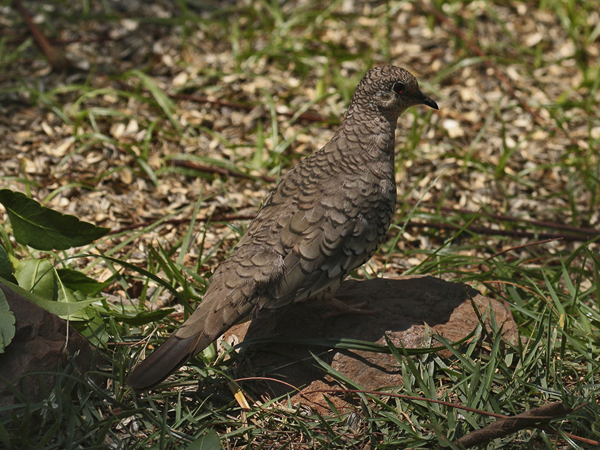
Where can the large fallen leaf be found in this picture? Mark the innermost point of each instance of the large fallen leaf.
(43, 228)
(62, 309)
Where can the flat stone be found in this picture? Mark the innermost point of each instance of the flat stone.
(407, 309)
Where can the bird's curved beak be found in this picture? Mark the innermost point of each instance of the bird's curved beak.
(428, 101)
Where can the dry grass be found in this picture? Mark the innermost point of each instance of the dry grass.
(513, 152)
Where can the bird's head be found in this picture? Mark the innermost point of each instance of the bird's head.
(391, 90)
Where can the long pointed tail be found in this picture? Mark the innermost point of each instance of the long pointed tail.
(216, 314)
(187, 341)
(211, 319)
(169, 357)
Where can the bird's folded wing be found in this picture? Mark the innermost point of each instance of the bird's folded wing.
(323, 245)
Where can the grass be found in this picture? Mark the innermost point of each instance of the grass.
(126, 128)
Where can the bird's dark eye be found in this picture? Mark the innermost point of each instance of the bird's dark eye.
(398, 87)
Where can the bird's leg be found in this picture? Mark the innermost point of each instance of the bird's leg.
(338, 308)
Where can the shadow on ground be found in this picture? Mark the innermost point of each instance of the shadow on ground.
(408, 309)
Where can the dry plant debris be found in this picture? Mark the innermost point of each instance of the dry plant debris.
(481, 151)
(100, 141)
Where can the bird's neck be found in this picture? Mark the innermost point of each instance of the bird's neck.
(374, 131)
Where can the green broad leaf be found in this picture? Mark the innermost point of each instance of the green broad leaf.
(43, 228)
(6, 268)
(37, 276)
(210, 441)
(62, 309)
(95, 328)
(63, 294)
(81, 315)
(7, 323)
(78, 281)
(41, 278)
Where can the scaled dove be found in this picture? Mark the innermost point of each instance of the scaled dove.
(326, 217)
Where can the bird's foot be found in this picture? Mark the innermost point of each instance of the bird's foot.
(340, 308)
